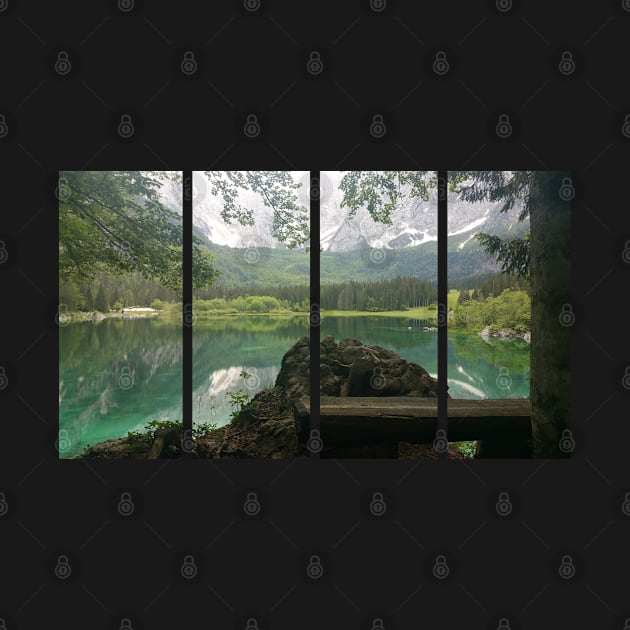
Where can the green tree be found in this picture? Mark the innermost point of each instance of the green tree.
(380, 193)
(255, 304)
(101, 302)
(271, 303)
(114, 222)
(543, 256)
(509, 187)
(239, 304)
(218, 304)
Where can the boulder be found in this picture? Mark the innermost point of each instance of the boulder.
(266, 428)
(293, 380)
(351, 368)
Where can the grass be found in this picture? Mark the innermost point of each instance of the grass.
(420, 312)
(214, 314)
(173, 311)
(451, 301)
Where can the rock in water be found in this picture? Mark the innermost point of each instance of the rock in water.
(293, 380)
(267, 428)
(351, 368)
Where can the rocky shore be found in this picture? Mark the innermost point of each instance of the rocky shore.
(97, 316)
(265, 428)
(508, 333)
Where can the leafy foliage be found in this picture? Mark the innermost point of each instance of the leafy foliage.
(106, 291)
(239, 398)
(513, 254)
(509, 310)
(506, 186)
(141, 440)
(467, 449)
(277, 191)
(380, 191)
(382, 295)
(114, 222)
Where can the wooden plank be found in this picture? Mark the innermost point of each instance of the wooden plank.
(358, 420)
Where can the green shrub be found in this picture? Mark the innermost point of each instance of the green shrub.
(467, 449)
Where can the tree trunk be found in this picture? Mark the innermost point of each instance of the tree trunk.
(550, 281)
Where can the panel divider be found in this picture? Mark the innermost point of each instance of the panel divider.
(442, 333)
(315, 314)
(187, 313)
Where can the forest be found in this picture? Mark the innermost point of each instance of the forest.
(381, 295)
(511, 310)
(106, 292)
(121, 246)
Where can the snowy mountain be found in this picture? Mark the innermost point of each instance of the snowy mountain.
(171, 195)
(414, 222)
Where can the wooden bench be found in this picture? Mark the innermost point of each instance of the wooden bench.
(352, 421)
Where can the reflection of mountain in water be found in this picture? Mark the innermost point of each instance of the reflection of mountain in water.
(487, 369)
(222, 348)
(211, 403)
(116, 375)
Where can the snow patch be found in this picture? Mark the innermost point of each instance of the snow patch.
(461, 245)
(472, 225)
(426, 237)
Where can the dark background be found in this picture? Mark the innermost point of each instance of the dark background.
(374, 62)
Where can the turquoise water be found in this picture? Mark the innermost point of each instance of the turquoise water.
(476, 368)
(116, 375)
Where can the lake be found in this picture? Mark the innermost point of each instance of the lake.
(497, 368)
(115, 375)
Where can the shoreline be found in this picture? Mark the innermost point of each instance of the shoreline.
(98, 316)
(148, 313)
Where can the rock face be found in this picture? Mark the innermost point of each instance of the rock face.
(293, 380)
(351, 368)
(262, 430)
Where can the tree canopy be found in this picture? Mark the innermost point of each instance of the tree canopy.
(115, 222)
(508, 187)
(277, 190)
(380, 193)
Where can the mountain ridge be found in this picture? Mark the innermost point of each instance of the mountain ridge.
(414, 221)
